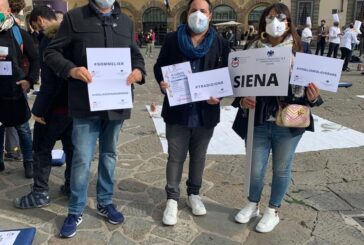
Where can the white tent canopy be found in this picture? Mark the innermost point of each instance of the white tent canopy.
(229, 23)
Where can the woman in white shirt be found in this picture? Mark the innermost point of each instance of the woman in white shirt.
(334, 39)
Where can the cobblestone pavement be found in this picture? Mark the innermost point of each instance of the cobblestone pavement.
(327, 189)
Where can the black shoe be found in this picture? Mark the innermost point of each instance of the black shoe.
(28, 169)
(12, 156)
(2, 166)
(33, 200)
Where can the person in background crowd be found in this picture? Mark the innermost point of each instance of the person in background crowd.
(349, 37)
(231, 38)
(99, 24)
(59, 15)
(250, 34)
(334, 37)
(50, 113)
(19, 44)
(306, 36)
(16, 6)
(149, 41)
(189, 127)
(275, 30)
(322, 33)
(12, 148)
(32, 31)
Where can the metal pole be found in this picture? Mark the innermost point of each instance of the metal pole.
(249, 149)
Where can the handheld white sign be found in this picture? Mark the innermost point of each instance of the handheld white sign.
(213, 83)
(110, 68)
(260, 72)
(323, 71)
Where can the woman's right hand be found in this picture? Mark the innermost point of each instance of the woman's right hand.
(164, 85)
(247, 102)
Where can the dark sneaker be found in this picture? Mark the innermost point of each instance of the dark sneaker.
(28, 169)
(70, 225)
(13, 156)
(111, 213)
(33, 200)
(66, 190)
(2, 166)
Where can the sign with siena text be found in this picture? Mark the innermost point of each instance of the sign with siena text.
(260, 72)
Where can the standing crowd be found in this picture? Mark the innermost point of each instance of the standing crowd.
(61, 110)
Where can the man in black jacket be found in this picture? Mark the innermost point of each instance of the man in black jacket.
(100, 24)
(14, 110)
(50, 112)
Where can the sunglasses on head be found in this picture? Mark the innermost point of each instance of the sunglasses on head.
(280, 17)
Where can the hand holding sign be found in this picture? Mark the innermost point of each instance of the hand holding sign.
(81, 73)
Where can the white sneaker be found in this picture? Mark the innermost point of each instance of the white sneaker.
(269, 221)
(170, 213)
(250, 211)
(195, 202)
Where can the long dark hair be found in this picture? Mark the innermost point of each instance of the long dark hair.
(280, 8)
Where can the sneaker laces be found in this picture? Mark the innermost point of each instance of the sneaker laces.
(268, 217)
(72, 218)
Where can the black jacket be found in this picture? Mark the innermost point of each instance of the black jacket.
(82, 28)
(53, 93)
(15, 55)
(170, 54)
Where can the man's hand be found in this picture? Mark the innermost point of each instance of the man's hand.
(213, 101)
(164, 86)
(81, 73)
(135, 76)
(39, 120)
(25, 85)
(2, 57)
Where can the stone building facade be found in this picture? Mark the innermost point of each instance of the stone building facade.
(152, 14)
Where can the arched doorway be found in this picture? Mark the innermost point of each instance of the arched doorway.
(255, 14)
(223, 13)
(155, 18)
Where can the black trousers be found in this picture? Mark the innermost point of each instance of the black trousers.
(321, 46)
(345, 55)
(333, 48)
(58, 127)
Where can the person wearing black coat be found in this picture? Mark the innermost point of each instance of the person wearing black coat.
(99, 24)
(189, 127)
(14, 109)
(50, 112)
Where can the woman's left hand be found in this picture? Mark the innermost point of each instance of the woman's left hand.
(312, 92)
(213, 101)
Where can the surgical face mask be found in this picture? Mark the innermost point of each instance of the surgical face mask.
(198, 22)
(2, 17)
(276, 28)
(104, 4)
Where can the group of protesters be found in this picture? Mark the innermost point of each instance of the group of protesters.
(61, 110)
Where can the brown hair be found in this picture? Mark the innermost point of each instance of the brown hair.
(281, 8)
(191, 1)
(16, 6)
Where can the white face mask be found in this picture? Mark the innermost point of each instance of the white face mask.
(104, 4)
(198, 22)
(276, 28)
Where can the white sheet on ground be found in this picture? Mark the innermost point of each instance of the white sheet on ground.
(327, 135)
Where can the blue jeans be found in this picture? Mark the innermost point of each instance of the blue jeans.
(269, 137)
(25, 140)
(84, 137)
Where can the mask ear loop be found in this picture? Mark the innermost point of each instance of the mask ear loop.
(263, 36)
